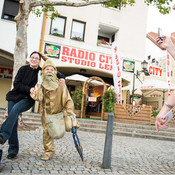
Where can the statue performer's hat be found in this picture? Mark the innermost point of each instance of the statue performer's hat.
(48, 62)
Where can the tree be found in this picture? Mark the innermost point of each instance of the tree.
(26, 6)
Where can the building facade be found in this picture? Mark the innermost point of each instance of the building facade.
(78, 41)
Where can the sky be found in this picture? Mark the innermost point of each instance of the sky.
(155, 21)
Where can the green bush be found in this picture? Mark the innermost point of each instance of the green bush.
(77, 98)
(155, 113)
(109, 99)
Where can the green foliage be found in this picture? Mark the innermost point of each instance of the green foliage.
(77, 98)
(119, 3)
(155, 113)
(164, 6)
(109, 99)
(46, 8)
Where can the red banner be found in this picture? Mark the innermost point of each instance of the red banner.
(117, 70)
(168, 70)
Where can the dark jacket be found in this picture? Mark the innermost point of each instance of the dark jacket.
(60, 75)
(25, 79)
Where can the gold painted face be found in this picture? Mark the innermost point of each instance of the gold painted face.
(50, 80)
(49, 70)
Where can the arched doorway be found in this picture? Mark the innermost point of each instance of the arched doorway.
(85, 92)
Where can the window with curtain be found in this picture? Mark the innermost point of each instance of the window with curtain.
(78, 29)
(58, 26)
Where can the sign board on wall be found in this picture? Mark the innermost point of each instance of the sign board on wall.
(75, 57)
(52, 50)
(6, 73)
(128, 66)
(155, 71)
(92, 99)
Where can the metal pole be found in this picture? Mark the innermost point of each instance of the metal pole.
(133, 87)
(163, 97)
(108, 143)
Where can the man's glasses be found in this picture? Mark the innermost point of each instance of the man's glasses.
(34, 58)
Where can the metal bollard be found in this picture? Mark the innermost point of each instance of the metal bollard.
(108, 143)
(1, 151)
(1, 167)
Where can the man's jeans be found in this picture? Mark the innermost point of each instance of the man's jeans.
(9, 128)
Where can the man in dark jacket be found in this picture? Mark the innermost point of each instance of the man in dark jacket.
(19, 100)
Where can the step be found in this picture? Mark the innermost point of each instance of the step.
(124, 125)
(33, 121)
(131, 130)
(130, 134)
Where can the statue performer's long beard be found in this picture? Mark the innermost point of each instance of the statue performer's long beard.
(50, 82)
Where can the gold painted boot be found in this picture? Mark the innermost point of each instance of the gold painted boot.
(47, 156)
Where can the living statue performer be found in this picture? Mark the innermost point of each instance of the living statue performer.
(55, 98)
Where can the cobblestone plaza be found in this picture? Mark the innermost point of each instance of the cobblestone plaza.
(129, 155)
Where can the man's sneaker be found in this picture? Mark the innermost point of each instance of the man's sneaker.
(11, 156)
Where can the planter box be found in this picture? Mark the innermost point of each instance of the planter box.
(105, 115)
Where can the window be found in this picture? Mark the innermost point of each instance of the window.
(58, 26)
(78, 29)
(106, 35)
(103, 38)
(10, 9)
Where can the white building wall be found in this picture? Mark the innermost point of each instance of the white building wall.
(34, 32)
(8, 33)
(130, 23)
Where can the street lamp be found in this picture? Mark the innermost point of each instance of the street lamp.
(144, 66)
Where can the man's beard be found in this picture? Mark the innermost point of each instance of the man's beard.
(50, 82)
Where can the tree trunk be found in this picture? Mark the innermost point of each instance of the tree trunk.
(21, 48)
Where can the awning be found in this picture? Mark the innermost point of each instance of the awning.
(78, 79)
(154, 84)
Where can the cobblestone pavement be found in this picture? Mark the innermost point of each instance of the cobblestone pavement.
(129, 155)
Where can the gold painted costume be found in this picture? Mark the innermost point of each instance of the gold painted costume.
(55, 99)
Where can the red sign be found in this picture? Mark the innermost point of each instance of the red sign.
(168, 70)
(155, 71)
(86, 58)
(6, 72)
(117, 73)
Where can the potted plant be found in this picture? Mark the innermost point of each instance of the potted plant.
(103, 43)
(109, 99)
(155, 113)
(77, 99)
(77, 38)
